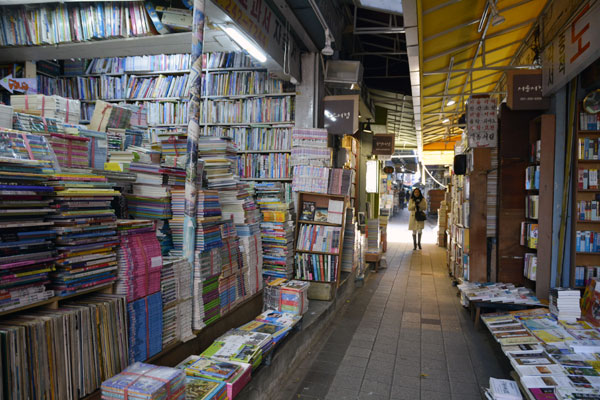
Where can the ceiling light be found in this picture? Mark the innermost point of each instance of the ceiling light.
(445, 120)
(327, 50)
(450, 103)
(329, 115)
(245, 43)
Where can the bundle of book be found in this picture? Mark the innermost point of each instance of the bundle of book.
(532, 177)
(310, 148)
(176, 293)
(43, 24)
(75, 355)
(443, 212)
(85, 230)
(589, 122)
(553, 358)
(145, 381)
(564, 303)
(529, 235)
(503, 389)
(588, 149)
(584, 274)
(497, 293)
(140, 264)
(587, 179)
(276, 229)
(589, 210)
(56, 107)
(587, 242)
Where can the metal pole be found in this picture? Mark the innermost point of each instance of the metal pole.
(192, 180)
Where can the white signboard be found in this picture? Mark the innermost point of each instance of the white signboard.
(573, 49)
(482, 122)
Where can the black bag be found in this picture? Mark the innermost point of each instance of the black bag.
(420, 216)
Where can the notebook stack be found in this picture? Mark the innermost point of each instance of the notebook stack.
(276, 230)
(86, 231)
(150, 198)
(220, 158)
(145, 327)
(27, 251)
(139, 259)
(176, 301)
(65, 110)
(564, 303)
(145, 381)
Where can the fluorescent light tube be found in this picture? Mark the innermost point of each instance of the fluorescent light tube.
(245, 43)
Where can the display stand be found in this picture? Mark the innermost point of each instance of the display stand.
(320, 289)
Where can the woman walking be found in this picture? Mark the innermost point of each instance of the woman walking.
(417, 205)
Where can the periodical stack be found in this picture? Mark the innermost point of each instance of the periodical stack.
(150, 198)
(564, 303)
(86, 231)
(276, 230)
(219, 158)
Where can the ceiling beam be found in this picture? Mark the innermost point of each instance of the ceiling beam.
(487, 68)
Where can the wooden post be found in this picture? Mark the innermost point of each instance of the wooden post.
(546, 206)
(478, 215)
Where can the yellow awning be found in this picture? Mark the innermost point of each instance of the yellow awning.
(454, 60)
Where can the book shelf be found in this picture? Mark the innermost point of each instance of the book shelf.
(311, 264)
(352, 146)
(585, 254)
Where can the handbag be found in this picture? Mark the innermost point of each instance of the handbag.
(420, 215)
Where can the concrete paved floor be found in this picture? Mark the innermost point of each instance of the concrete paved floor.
(403, 335)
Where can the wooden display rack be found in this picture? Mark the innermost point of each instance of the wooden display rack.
(321, 290)
(582, 258)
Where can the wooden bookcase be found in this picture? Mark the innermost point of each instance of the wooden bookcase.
(513, 153)
(543, 129)
(578, 258)
(321, 201)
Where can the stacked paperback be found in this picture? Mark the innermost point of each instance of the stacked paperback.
(175, 282)
(276, 230)
(564, 303)
(220, 157)
(145, 327)
(60, 108)
(497, 292)
(150, 198)
(145, 381)
(85, 226)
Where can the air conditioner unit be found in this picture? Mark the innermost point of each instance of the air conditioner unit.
(344, 74)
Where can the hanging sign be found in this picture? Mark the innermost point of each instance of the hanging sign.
(341, 114)
(383, 145)
(259, 21)
(525, 90)
(482, 122)
(573, 49)
(22, 85)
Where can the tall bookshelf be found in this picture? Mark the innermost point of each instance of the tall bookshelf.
(585, 259)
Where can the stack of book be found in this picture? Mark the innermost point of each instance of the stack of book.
(163, 86)
(564, 303)
(249, 110)
(373, 235)
(529, 235)
(139, 259)
(497, 292)
(78, 356)
(6, 116)
(145, 327)
(588, 210)
(532, 177)
(272, 165)
(60, 108)
(585, 273)
(240, 206)
(207, 303)
(233, 375)
(589, 122)
(309, 148)
(588, 148)
(167, 112)
(530, 266)
(175, 289)
(276, 230)
(340, 181)
(587, 242)
(145, 381)
(205, 389)
(97, 147)
(503, 389)
(150, 197)
(349, 249)
(232, 83)
(71, 151)
(310, 179)
(26, 237)
(86, 231)
(219, 157)
(272, 293)
(294, 297)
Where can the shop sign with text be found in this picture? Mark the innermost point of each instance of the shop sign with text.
(383, 145)
(573, 49)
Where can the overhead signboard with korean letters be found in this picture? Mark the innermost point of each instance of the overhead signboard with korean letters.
(341, 114)
(573, 49)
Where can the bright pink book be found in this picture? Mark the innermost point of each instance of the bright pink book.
(543, 394)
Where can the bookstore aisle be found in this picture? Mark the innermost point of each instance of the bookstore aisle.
(403, 335)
